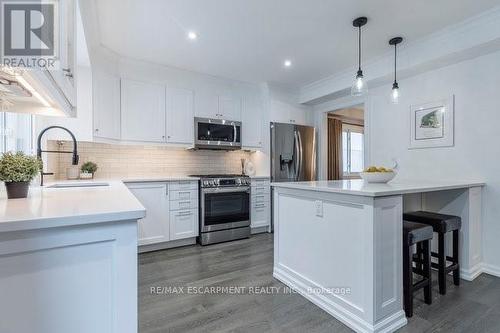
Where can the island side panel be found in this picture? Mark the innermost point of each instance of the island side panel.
(329, 243)
(467, 204)
(71, 279)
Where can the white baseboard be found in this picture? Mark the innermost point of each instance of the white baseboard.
(491, 269)
(302, 284)
(472, 273)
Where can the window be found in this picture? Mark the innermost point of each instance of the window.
(16, 132)
(352, 150)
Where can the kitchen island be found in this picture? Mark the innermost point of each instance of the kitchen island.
(339, 243)
(68, 260)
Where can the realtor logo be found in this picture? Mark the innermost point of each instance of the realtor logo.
(28, 34)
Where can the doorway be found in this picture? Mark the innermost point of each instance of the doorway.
(345, 143)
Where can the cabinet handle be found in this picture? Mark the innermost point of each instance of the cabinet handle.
(184, 213)
(97, 130)
(262, 205)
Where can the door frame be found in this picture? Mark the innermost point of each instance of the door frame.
(331, 106)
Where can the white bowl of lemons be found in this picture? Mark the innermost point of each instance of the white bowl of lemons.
(375, 174)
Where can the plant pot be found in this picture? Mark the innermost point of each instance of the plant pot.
(17, 190)
(86, 175)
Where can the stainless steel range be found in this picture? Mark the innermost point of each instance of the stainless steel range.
(224, 208)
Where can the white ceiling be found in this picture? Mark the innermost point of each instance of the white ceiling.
(248, 40)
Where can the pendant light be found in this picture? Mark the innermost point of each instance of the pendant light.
(359, 86)
(395, 87)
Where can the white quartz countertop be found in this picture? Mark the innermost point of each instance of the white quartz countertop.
(55, 207)
(360, 188)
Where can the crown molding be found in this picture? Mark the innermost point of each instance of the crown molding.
(473, 37)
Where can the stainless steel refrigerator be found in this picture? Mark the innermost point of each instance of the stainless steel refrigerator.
(293, 153)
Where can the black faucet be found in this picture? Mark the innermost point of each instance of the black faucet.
(39, 150)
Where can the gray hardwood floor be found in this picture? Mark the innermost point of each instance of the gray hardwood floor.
(166, 304)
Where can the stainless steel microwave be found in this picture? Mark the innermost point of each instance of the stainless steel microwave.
(217, 134)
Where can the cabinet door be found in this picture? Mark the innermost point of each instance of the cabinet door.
(155, 227)
(143, 111)
(229, 108)
(180, 115)
(106, 101)
(65, 76)
(206, 105)
(252, 122)
(183, 224)
(298, 115)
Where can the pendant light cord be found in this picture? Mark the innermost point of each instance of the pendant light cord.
(359, 48)
(395, 59)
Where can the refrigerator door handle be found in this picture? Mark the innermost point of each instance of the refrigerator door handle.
(297, 155)
(301, 155)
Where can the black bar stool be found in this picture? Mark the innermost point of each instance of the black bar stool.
(441, 224)
(420, 234)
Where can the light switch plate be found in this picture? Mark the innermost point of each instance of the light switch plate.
(319, 208)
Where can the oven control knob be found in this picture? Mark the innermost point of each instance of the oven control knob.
(205, 183)
(216, 182)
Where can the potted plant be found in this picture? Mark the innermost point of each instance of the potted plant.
(87, 170)
(17, 170)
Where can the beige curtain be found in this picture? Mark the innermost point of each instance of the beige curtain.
(334, 149)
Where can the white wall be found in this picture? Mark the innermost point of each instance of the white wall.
(476, 154)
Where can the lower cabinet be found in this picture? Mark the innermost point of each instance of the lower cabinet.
(171, 211)
(155, 227)
(260, 213)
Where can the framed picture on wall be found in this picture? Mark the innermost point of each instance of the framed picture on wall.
(432, 124)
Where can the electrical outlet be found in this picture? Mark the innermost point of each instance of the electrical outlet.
(319, 208)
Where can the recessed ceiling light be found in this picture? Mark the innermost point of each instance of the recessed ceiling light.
(287, 63)
(192, 35)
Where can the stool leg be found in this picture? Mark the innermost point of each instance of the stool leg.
(407, 280)
(420, 256)
(427, 271)
(456, 272)
(441, 264)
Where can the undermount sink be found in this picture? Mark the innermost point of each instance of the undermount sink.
(71, 185)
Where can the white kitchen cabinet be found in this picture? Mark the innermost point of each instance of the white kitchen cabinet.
(155, 227)
(65, 76)
(180, 115)
(229, 108)
(106, 102)
(252, 122)
(215, 106)
(282, 112)
(260, 204)
(142, 111)
(183, 224)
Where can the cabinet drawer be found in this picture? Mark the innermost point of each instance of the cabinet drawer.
(258, 198)
(183, 224)
(260, 215)
(260, 182)
(183, 185)
(184, 195)
(257, 190)
(183, 204)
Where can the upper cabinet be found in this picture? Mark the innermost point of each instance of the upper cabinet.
(106, 102)
(143, 111)
(180, 115)
(282, 112)
(65, 76)
(209, 105)
(252, 119)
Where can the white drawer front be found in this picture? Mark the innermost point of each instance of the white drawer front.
(184, 195)
(183, 204)
(260, 182)
(257, 198)
(256, 190)
(260, 215)
(183, 185)
(183, 224)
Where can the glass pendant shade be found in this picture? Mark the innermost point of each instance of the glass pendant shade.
(359, 86)
(395, 94)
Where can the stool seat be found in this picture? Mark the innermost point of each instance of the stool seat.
(441, 223)
(416, 232)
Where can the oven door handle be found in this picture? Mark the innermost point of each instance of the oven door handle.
(226, 190)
